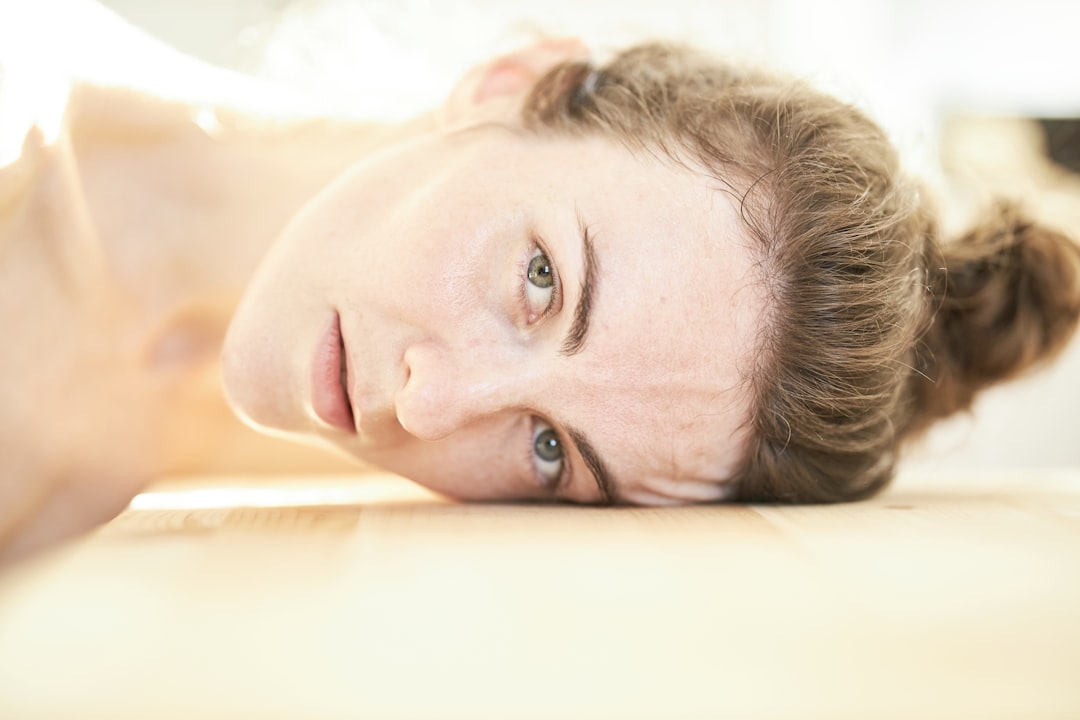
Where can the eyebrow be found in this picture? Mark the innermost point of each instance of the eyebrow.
(599, 470)
(579, 328)
(572, 345)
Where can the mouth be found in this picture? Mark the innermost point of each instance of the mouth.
(330, 380)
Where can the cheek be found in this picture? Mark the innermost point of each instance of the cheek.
(466, 466)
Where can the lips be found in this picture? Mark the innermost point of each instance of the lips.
(330, 380)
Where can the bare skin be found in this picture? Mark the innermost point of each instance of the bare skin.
(124, 248)
(130, 246)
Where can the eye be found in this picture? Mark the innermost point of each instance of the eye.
(540, 289)
(547, 451)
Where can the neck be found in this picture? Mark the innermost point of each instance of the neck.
(184, 202)
(187, 200)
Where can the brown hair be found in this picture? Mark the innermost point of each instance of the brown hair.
(875, 328)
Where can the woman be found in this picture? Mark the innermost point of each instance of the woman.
(661, 280)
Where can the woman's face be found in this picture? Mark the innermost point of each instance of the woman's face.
(498, 315)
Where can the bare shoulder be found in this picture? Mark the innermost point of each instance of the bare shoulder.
(58, 370)
(31, 116)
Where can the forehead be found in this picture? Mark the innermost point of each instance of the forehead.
(662, 384)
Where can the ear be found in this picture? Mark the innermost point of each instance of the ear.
(494, 89)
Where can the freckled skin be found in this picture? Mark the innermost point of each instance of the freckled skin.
(449, 382)
(147, 227)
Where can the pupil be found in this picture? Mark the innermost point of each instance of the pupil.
(547, 446)
(540, 272)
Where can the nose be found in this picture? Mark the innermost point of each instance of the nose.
(448, 388)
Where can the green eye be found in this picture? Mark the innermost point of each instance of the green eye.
(540, 288)
(540, 273)
(548, 456)
(547, 446)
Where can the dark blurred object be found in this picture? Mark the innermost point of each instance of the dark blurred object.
(1063, 141)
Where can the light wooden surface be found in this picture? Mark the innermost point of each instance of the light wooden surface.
(332, 598)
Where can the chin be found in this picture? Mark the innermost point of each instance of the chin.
(253, 389)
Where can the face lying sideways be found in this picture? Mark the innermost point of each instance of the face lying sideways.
(498, 315)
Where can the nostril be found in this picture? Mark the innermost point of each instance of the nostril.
(419, 408)
(429, 399)
(412, 355)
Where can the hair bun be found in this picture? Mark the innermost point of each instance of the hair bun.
(1007, 298)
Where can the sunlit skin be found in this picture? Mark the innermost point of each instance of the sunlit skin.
(146, 232)
(457, 361)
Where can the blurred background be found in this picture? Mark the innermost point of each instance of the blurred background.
(981, 97)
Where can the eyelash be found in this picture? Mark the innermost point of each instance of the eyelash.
(552, 486)
(536, 246)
